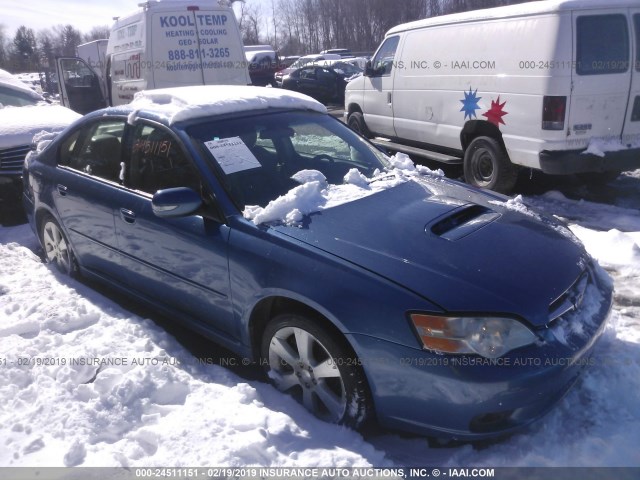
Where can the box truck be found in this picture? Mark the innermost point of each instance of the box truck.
(162, 44)
(551, 85)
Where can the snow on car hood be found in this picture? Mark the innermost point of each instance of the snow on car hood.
(18, 125)
(456, 246)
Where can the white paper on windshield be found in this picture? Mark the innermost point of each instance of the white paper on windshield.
(232, 154)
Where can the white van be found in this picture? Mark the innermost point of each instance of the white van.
(551, 85)
(162, 44)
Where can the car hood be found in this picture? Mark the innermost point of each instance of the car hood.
(462, 249)
(18, 125)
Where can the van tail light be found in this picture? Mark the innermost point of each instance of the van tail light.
(553, 111)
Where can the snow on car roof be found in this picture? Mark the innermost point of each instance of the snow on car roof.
(184, 103)
(18, 125)
(11, 81)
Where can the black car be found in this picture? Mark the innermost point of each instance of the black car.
(324, 83)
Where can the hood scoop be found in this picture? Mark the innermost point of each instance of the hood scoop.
(462, 222)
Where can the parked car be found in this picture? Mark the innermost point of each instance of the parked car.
(263, 63)
(286, 62)
(301, 62)
(343, 52)
(23, 113)
(325, 82)
(366, 286)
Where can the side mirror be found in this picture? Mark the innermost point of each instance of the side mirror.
(175, 202)
(368, 70)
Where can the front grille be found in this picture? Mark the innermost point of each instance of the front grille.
(571, 299)
(12, 159)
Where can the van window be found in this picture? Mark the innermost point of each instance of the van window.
(382, 63)
(602, 44)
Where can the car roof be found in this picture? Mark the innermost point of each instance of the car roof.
(172, 105)
(14, 83)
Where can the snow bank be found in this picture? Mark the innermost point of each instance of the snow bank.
(183, 103)
(589, 214)
(612, 248)
(85, 382)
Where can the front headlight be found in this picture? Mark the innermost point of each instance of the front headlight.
(490, 337)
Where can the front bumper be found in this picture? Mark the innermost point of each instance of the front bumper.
(10, 189)
(575, 161)
(471, 397)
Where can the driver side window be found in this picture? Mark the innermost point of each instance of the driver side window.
(382, 63)
(157, 162)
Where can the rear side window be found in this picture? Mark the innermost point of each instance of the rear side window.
(602, 44)
(95, 150)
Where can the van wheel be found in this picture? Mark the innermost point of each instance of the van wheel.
(356, 123)
(317, 369)
(487, 165)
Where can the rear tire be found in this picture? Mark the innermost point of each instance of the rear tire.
(318, 369)
(487, 165)
(357, 124)
(56, 247)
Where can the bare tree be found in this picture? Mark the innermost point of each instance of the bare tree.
(97, 33)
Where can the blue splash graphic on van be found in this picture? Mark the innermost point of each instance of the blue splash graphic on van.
(470, 104)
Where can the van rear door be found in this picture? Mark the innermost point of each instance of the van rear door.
(602, 75)
(631, 132)
(197, 46)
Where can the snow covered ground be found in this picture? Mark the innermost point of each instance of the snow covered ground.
(83, 381)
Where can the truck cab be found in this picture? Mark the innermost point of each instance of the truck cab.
(162, 44)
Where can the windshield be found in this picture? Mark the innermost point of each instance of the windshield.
(256, 156)
(10, 97)
(346, 69)
(301, 62)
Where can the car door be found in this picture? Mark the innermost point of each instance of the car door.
(80, 87)
(177, 262)
(307, 82)
(87, 180)
(378, 89)
(327, 83)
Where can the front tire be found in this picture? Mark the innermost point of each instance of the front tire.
(317, 369)
(357, 124)
(487, 165)
(56, 246)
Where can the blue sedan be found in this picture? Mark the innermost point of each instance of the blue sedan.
(368, 288)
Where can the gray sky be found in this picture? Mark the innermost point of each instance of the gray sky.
(82, 14)
(40, 14)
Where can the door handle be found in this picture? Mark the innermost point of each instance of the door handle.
(62, 190)
(127, 215)
(389, 98)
